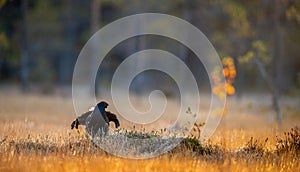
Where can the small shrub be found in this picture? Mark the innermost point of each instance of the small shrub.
(196, 132)
(254, 147)
(193, 144)
(290, 142)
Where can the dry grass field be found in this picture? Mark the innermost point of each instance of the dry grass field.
(35, 135)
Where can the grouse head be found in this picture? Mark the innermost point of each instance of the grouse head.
(102, 105)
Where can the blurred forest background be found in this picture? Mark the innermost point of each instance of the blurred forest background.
(41, 39)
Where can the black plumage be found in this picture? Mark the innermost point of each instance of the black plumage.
(93, 121)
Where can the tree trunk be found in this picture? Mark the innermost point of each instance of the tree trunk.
(277, 52)
(94, 25)
(274, 91)
(24, 49)
(140, 45)
(65, 64)
(183, 51)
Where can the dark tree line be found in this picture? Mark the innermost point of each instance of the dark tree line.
(40, 40)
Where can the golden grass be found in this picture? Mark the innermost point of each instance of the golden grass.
(35, 136)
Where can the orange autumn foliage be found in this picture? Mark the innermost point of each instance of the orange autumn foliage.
(229, 72)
